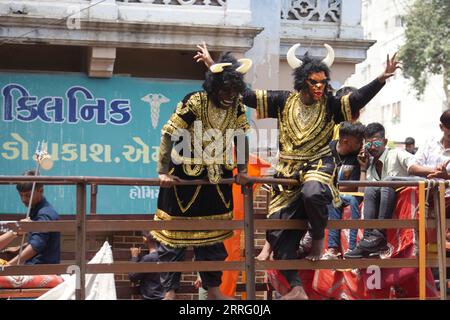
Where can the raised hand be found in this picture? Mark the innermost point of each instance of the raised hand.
(363, 159)
(203, 55)
(391, 66)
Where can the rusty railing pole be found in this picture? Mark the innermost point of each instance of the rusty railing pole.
(422, 243)
(80, 240)
(93, 211)
(249, 244)
(94, 189)
(439, 204)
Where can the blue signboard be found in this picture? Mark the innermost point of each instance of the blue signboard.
(92, 127)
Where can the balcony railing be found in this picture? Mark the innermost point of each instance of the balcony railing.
(81, 226)
(311, 10)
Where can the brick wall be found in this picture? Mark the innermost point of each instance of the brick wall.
(260, 205)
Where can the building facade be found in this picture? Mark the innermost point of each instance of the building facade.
(396, 106)
(156, 39)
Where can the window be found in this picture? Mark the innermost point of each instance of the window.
(399, 21)
(396, 112)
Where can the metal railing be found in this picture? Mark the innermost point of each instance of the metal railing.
(81, 226)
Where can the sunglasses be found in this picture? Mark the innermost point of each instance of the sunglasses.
(375, 144)
(314, 82)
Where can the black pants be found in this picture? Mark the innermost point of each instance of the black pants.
(171, 280)
(379, 203)
(311, 205)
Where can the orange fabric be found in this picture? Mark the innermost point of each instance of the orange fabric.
(233, 244)
(22, 282)
(330, 284)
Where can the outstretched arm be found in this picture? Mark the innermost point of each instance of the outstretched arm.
(351, 104)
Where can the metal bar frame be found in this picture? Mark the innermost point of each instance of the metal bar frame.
(82, 227)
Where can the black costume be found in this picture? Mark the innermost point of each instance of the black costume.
(305, 132)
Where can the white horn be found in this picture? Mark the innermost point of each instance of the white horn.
(329, 59)
(292, 60)
(218, 67)
(246, 64)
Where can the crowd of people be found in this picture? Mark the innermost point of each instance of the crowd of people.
(307, 117)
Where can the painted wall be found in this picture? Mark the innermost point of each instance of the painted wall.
(93, 127)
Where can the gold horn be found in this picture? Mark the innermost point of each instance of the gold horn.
(329, 59)
(246, 64)
(292, 60)
(218, 67)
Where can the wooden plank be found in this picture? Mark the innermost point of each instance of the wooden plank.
(442, 239)
(42, 269)
(185, 266)
(124, 225)
(127, 225)
(260, 224)
(249, 243)
(192, 266)
(341, 264)
(339, 224)
(43, 226)
(80, 242)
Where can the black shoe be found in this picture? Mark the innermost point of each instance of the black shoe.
(356, 253)
(373, 243)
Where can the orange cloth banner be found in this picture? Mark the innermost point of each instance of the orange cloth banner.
(233, 244)
(351, 285)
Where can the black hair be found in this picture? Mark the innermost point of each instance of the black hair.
(445, 118)
(410, 140)
(373, 129)
(28, 186)
(352, 129)
(228, 78)
(309, 65)
(148, 235)
(345, 91)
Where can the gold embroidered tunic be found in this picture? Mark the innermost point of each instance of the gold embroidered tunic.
(305, 132)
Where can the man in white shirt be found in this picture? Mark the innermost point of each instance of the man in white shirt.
(379, 202)
(432, 158)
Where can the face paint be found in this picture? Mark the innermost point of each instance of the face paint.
(316, 83)
(227, 97)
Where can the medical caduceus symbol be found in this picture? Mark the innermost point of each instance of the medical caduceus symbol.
(155, 100)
